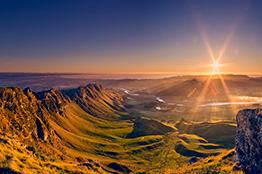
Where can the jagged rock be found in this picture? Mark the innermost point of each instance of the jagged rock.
(249, 141)
(90, 90)
(41, 130)
(54, 101)
(28, 92)
(39, 119)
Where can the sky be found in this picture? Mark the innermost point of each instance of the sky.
(130, 36)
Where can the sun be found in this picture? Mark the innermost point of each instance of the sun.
(216, 66)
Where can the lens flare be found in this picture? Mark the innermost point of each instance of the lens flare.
(201, 98)
(216, 66)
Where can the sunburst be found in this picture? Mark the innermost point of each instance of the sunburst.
(216, 66)
(215, 71)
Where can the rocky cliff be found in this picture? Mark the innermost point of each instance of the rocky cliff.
(249, 141)
(68, 127)
(29, 115)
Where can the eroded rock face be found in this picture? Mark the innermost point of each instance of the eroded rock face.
(249, 140)
(41, 132)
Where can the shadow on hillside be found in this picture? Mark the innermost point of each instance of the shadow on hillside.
(7, 171)
(217, 133)
(144, 127)
(183, 150)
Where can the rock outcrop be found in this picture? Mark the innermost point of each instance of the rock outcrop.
(29, 115)
(249, 141)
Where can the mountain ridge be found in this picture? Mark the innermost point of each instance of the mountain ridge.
(50, 122)
(76, 126)
(88, 130)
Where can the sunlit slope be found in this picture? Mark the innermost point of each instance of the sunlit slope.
(90, 126)
(23, 115)
(98, 101)
(222, 133)
(57, 126)
(17, 157)
(222, 163)
(89, 123)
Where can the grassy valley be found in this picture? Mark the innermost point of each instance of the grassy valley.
(93, 129)
(89, 130)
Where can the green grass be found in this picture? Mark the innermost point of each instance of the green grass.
(96, 130)
(222, 163)
(222, 133)
(15, 157)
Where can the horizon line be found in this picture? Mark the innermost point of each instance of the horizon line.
(134, 73)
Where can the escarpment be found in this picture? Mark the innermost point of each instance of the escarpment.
(249, 140)
(28, 114)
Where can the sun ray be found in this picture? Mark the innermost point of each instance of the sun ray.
(215, 65)
(207, 44)
(199, 21)
(200, 98)
(228, 94)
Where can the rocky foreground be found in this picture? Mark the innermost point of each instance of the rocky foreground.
(249, 141)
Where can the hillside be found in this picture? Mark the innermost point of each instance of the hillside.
(88, 130)
(193, 88)
(58, 127)
(87, 127)
(221, 133)
(185, 88)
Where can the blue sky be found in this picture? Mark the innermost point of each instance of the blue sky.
(122, 36)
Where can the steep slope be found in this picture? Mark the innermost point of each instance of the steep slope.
(27, 119)
(87, 126)
(97, 100)
(222, 163)
(26, 116)
(51, 123)
(249, 140)
(87, 130)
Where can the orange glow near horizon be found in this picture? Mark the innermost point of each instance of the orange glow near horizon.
(195, 109)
